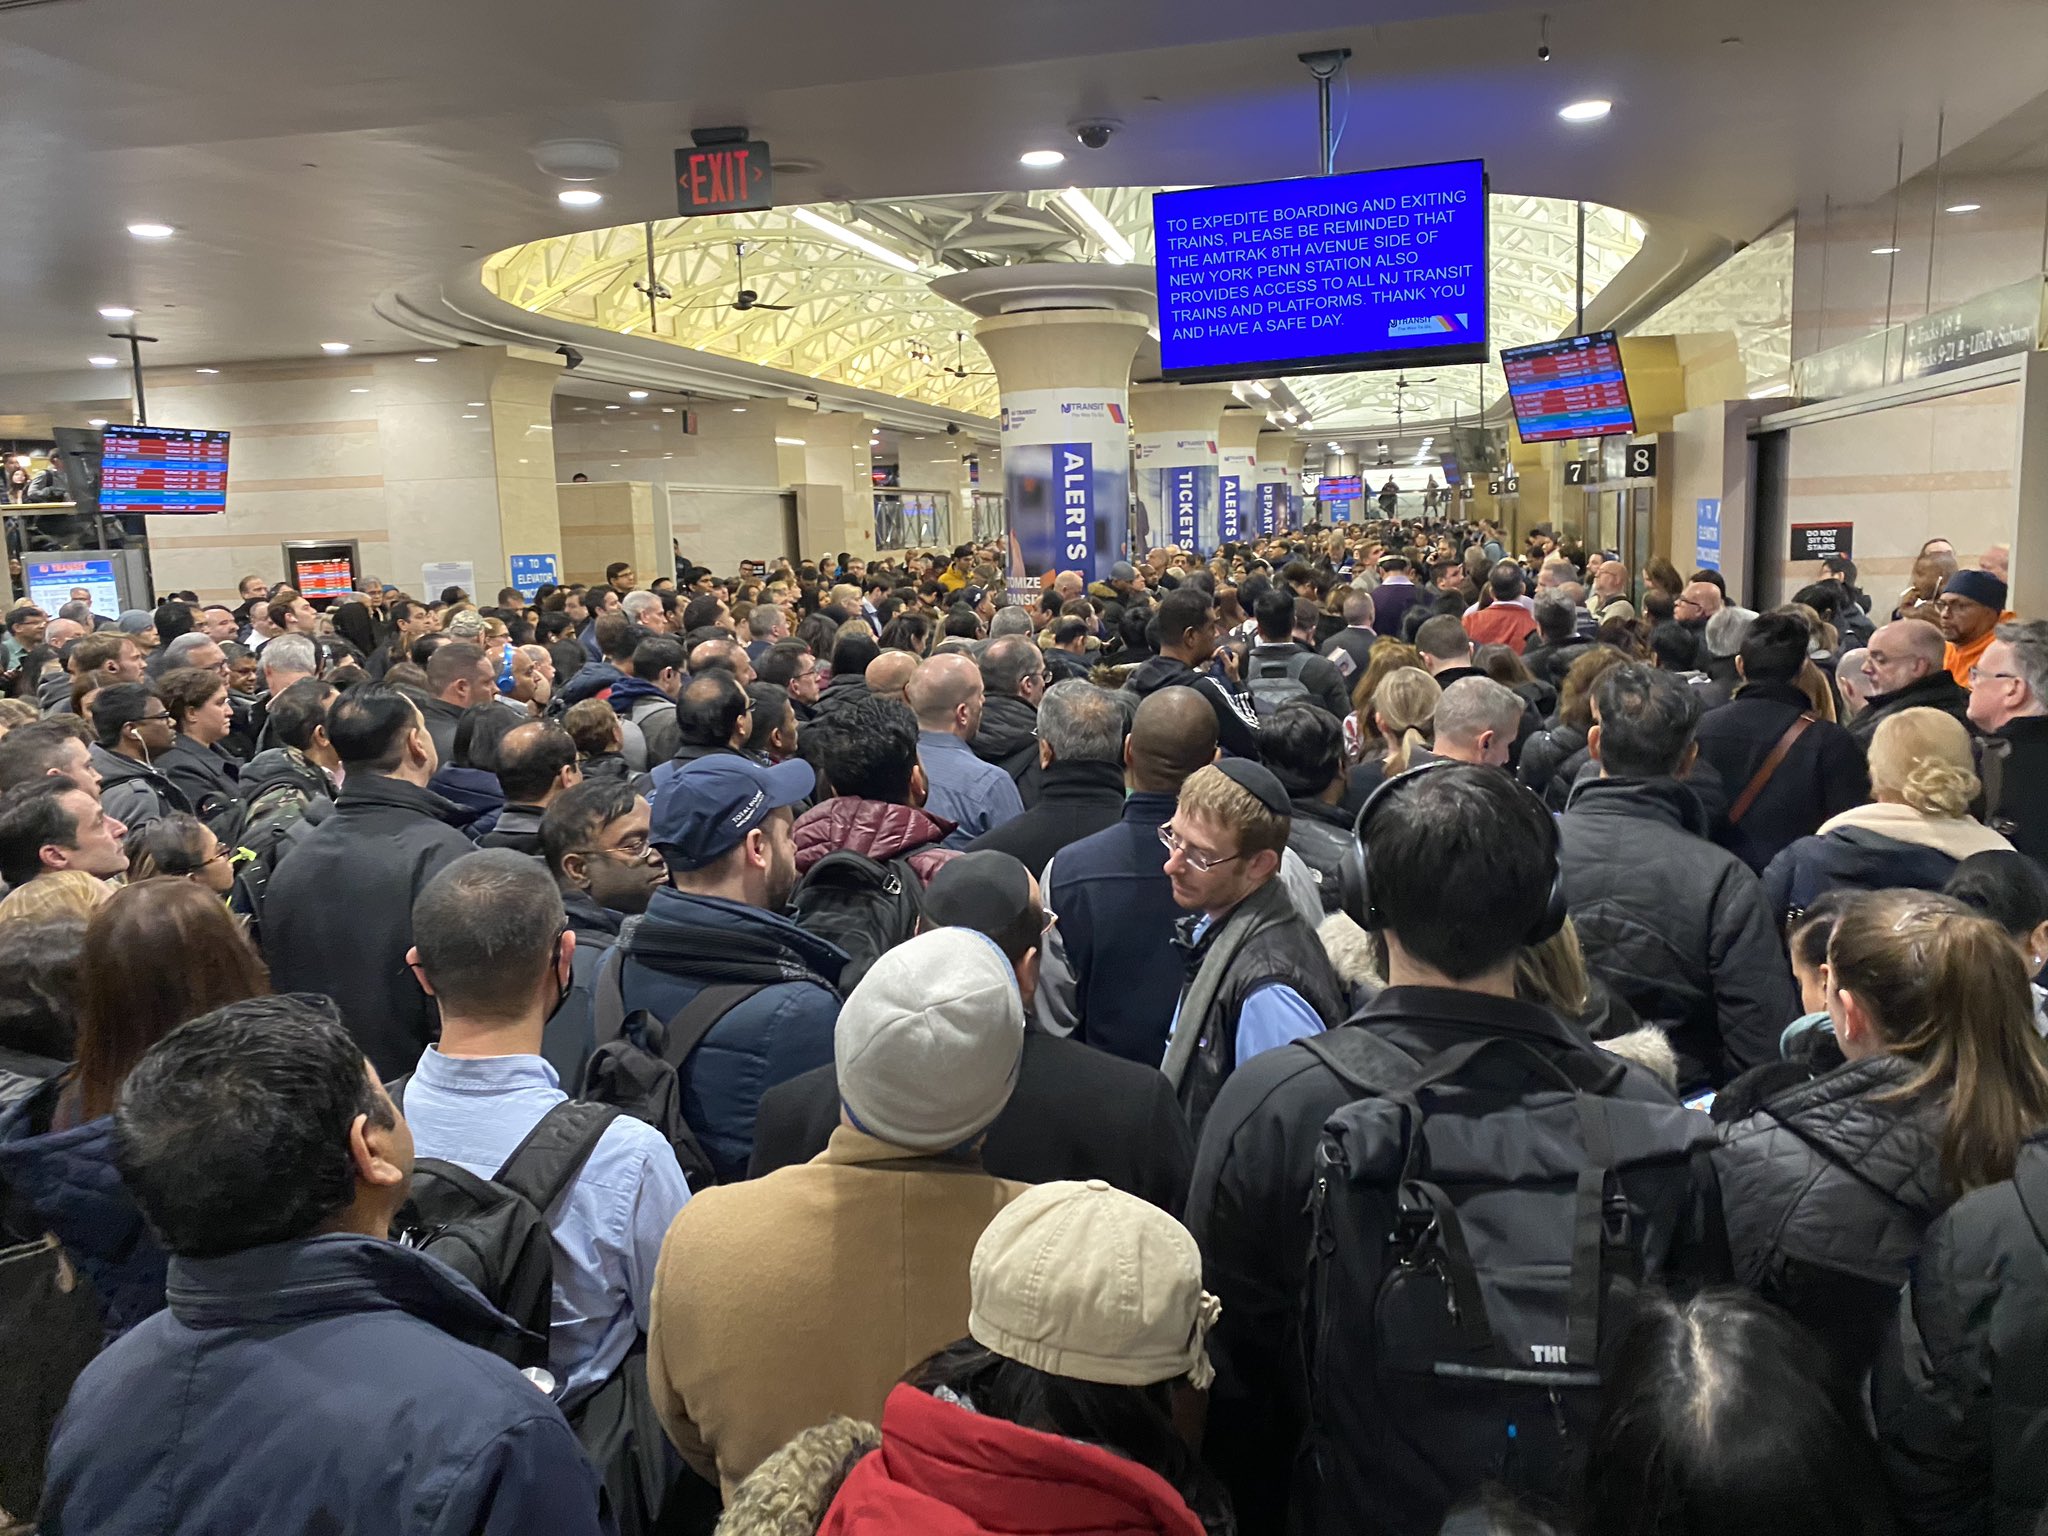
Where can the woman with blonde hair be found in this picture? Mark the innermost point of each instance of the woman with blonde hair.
(1913, 835)
(1402, 719)
(1827, 1191)
(60, 893)
(1360, 741)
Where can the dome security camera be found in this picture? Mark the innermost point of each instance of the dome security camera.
(1096, 133)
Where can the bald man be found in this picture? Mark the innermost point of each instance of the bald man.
(1109, 973)
(1905, 667)
(889, 672)
(946, 695)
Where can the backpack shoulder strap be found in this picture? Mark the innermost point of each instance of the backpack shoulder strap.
(608, 996)
(1363, 1061)
(1768, 769)
(686, 1031)
(1296, 665)
(544, 1165)
(396, 1090)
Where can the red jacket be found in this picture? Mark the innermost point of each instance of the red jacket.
(1508, 624)
(873, 827)
(944, 1471)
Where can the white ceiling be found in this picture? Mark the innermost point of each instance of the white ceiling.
(315, 157)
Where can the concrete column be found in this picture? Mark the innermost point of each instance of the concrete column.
(1236, 462)
(1176, 464)
(1270, 481)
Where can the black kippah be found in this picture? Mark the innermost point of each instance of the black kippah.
(1258, 781)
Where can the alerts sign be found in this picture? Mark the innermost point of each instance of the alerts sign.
(724, 178)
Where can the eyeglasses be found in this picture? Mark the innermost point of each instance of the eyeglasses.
(152, 719)
(632, 849)
(1200, 863)
(1979, 675)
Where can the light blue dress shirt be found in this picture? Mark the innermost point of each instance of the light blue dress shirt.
(474, 1111)
(1273, 1015)
(964, 789)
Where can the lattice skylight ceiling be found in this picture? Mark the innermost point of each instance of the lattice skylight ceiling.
(856, 320)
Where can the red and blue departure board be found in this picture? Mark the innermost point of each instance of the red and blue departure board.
(163, 470)
(1569, 388)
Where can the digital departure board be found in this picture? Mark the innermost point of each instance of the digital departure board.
(1339, 488)
(163, 470)
(1371, 269)
(1574, 387)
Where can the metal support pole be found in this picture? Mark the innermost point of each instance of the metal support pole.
(135, 368)
(1891, 277)
(1934, 210)
(1325, 64)
(1582, 270)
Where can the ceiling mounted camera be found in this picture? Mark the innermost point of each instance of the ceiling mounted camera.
(1096, 133)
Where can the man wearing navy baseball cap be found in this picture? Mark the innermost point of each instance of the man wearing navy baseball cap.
(716, 933)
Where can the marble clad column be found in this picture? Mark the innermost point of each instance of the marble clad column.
(1061, 337)
(1176, 464)
(1236, 466)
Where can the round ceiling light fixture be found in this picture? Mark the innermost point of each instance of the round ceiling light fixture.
(104, 362)
(151, 231)
(116, 312)
(578, 159)
(1041, 159)
(579, 197)
(1590, 111)
(636, 394)
(334, 348)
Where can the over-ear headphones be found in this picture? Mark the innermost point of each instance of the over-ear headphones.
(1355, 876)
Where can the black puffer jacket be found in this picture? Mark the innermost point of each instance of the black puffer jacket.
(1826, 1192)
(1676, 925)
(1009, 738)
(1850, 858)
(1546, 754)
(1320, 834)
(1961, 1388)
(1937, 690)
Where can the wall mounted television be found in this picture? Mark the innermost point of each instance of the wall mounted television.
(1323, 274)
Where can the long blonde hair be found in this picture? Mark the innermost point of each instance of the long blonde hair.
(1402, 705)
(1385, 656)
(1946, 990)
(1921, 758)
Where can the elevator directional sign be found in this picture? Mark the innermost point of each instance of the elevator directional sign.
(733, 177)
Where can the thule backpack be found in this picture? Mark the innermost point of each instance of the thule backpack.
(865, 906)
(637, 1063)
(494, 1232)
(1277, 681)
(1483, 1223)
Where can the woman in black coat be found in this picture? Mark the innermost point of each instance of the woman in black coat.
(1827, 1190)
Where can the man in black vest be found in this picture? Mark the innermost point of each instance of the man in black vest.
(1257, 975)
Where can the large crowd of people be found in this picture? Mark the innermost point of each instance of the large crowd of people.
(1372, 1030)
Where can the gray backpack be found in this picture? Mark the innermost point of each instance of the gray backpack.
(1272, 683)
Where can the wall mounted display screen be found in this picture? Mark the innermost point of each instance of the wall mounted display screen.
(1454, 472)
(50, 583)
(321, 571)
(163, 470)
(1323, 274)
(1339, 488)
(1569, 388)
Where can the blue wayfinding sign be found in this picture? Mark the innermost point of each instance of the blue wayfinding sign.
(531, 572)
(1707, 537)
(1271, 499)
(1074, 469)
(1232, 519)
(1183, 495)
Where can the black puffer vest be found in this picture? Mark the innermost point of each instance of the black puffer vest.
(1281, 948)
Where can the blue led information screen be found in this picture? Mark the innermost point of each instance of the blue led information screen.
(1323, 274)
(1573, 387)
(162, 470)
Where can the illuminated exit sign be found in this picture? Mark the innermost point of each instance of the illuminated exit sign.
(724, 178)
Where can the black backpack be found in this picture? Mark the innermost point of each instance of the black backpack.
(1477, 1247)
(273, 824)
(865, 906)
(494, 1232)
(636, 1066)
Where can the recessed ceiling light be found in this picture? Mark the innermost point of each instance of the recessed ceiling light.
(103, 362)
(206, 370)
(474, 405)
(739, 410)
(151, 231)
(96, 421)
(426, 359)
(123, 312)
(1585, 111)
(636, 394)
(1952, 208)
(579, 197)
(1041, 159)
(668, 410)
(360, 390)
(790, 442)
(334, 348)
(1885, 250)
(469, 415)
(614, 407)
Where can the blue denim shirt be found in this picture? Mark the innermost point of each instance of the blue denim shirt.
(474, 1111)
(964, 789)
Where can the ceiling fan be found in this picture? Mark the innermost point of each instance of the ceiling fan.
(744, 298)
(960, 370)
